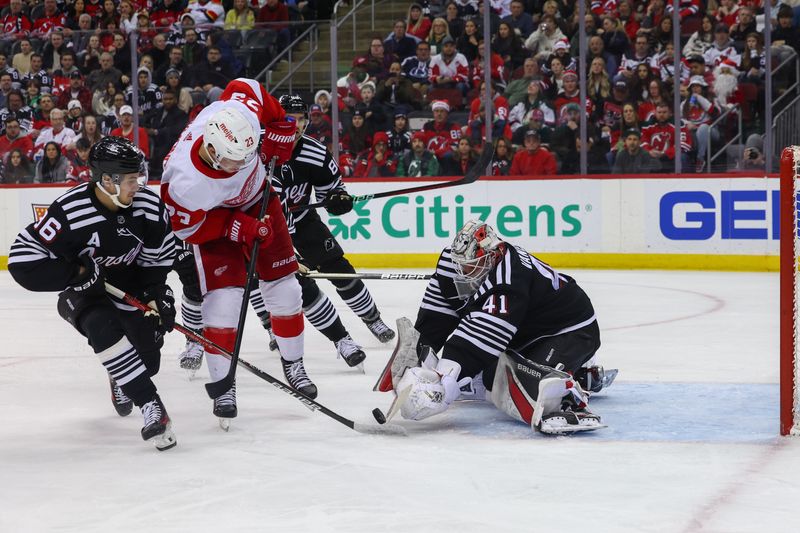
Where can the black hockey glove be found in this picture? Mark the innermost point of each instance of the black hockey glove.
(338, 203)
(91, 281)
(164, 301)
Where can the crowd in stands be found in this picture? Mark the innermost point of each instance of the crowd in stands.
(432, 63)
(66, 80)
(66, 75)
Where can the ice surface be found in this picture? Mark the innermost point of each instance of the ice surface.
(692, 441)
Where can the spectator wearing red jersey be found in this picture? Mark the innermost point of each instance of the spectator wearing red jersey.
(78, 170)
(15, 24)
(658, 140)
(441, 135)
(497, 66)
(379, 162)
(126, 130)
(14, 139)
(50, 20)
(166, 13)
(275, 12)
(76, 90)
(417, 25)
(477, 116)
(533, 160)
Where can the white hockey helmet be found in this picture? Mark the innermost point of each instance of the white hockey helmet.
(475, 251)
(233, 138)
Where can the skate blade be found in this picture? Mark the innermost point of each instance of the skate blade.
(569, 429)
(225, 424)
(165, 441)
(360, 367)
(609, 376)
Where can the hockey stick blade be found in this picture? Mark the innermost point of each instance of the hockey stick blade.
(475, 172)
(388, 429)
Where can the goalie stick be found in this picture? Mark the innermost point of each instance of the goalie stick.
(389, 429)
(472, 174)
(366, 275)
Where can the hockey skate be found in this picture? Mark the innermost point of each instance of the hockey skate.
(192, 357)
(157, 425)
(122, 403)
(573, 414)
(225, 408)
(297, 378)
(595, 378)
(351, 352)
(381, 331)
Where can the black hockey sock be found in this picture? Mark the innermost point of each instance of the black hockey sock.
(324, 317)
(357, 297)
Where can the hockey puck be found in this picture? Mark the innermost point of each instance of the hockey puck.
(379, 418)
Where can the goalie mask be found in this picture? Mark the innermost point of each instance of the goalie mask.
(117, 158)
(475, 251)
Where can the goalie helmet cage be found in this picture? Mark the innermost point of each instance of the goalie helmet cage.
(789, 312)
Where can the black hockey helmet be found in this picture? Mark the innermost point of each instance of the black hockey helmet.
(115, 156)
(292, 103)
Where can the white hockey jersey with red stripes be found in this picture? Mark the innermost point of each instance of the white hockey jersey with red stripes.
(199, 198)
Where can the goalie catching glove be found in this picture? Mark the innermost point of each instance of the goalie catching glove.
(431, 390)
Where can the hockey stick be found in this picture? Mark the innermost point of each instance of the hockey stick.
(472, 174)
(278, 384)
(215, 389)
(366, 275)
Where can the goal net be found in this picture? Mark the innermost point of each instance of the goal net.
(790, 317)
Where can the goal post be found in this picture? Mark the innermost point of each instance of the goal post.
(789, 316)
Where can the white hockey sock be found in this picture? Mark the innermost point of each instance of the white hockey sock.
(191, 314)
(218, 366)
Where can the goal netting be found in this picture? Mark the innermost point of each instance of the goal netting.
(790, 317)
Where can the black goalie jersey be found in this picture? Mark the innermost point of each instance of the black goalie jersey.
(135, 246)
(311, 166)
(521, 300)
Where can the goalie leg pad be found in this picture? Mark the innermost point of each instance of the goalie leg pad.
(403, 357)
(529, 392)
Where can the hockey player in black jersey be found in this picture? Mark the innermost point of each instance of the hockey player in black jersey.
(504, 322)
(111, 229)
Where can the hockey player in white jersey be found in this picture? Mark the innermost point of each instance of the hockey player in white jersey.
(213, 183)
(507, 326)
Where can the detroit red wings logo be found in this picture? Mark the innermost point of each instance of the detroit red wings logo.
(251, 184)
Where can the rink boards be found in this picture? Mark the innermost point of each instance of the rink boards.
(721, 222)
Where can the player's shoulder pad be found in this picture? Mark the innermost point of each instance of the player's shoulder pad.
(311, 152)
